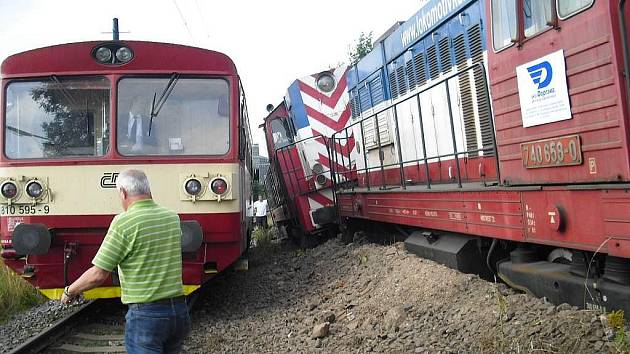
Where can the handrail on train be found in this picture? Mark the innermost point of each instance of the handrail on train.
(297, 181)
(445, 80)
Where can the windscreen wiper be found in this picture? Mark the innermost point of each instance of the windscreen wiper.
(25, 133)
(157, 106)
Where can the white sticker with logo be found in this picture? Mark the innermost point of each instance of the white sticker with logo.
(12, 222)
(542, 90)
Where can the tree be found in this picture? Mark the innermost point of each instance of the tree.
(362, 46)
(72, 125)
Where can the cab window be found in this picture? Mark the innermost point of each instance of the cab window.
(567, 8)
(57, 117)
(192, 119)
(503, 23)
(281, 133)
(537, 15)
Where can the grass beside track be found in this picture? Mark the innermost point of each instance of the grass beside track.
(15, 293)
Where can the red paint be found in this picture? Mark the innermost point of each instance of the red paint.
(335, 125)
(149, 58)
(222, 241)
(224, 233)
(595, 81)
(507, 214)
(470, 169)
(76, 58)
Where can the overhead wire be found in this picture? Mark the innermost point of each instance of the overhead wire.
(203, 19)
(183, 18)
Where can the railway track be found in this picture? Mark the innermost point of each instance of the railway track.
(95, 327)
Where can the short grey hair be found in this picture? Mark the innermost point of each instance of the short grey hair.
(134, 182)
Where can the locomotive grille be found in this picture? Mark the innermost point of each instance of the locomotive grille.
(445, 55)
(402, 84)
(354, 104)
(410, 75)
(392, 84)
(468, 109)
(364, 97)
(369, 132)
(376, 91)
(434, 71)
(421, 76)
(476, 50)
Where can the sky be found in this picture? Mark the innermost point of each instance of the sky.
(271, 42)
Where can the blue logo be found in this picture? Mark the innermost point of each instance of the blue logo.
(536, 73)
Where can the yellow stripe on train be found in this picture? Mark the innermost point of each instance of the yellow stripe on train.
(108, 292)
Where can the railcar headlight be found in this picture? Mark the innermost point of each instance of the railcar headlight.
(34, 189)
(218, 186)
(103, 55)
(9, 189)
(318, 168)
(326, 82)
(192, 186)
(124, 54)
(320, 179)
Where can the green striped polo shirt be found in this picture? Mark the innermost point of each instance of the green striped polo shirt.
(145, 243)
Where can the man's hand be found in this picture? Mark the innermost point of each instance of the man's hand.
(92, 278)
(67, 297)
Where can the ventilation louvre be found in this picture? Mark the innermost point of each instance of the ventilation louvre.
(421, 75)
(434, 70)
(402, 84)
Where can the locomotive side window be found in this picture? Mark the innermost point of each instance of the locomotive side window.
(504, 28)
(537, 15)
(190, 116)
(281, 133)
(567, 8)
(57, 117)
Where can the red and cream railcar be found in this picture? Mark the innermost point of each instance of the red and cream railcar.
(511, 137)
(75, 115)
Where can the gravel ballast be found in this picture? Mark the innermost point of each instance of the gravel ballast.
(366, 297)
(360, 298)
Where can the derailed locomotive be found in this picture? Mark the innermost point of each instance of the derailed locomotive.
(75, 115)
(494, 136)
(297, 133)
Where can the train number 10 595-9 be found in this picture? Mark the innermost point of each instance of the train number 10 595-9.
(563, 151)
(24, 209)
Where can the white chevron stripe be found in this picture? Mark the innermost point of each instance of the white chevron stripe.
(334, 113)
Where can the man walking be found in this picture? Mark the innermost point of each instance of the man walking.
(260, 210)
(144, 243)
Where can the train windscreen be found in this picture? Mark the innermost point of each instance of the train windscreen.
(57, 117)
(173, 116)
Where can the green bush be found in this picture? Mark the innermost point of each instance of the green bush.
(15, 293)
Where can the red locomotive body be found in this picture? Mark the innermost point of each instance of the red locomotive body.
(75, 115)
(528, 177)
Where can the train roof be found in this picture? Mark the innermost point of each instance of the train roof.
(148, 57)
(403, 35)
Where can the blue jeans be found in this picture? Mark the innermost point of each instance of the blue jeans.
(156, 327)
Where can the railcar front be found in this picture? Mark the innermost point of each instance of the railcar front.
(75, 115)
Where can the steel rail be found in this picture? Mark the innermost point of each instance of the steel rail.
(48, 336)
